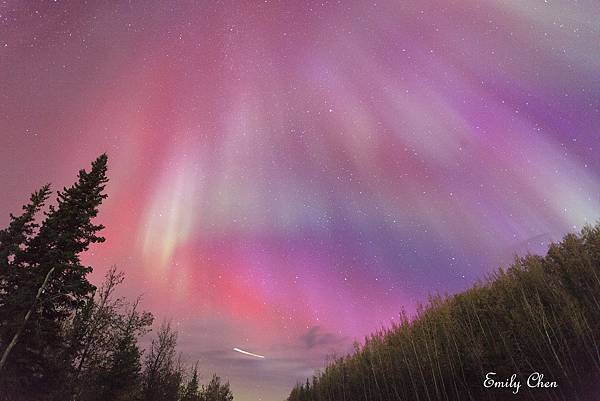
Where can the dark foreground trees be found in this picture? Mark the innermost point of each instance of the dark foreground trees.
(61, 338)
(44, 282)
(541, 315)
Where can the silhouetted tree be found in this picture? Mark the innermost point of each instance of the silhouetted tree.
(108, 360)
(216, 391)
(162, 375)
(49, 283)
(13, 278)
(190, 391)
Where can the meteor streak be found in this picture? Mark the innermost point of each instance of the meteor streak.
(248, 353)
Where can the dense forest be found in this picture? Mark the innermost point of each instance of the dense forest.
(542, 314)
(62, 338)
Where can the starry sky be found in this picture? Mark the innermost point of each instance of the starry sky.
(287, 176)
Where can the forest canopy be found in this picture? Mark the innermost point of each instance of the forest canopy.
(542, 314)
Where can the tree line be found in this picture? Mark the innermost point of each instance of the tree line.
(542, 314)
(61, 337)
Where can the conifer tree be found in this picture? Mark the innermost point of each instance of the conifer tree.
(216, 391)
(120, 378)
(13, 240)
(50, 283)
(163, 373)
(19, 231)
(190, 391)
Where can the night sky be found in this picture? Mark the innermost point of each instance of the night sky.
(287, 176)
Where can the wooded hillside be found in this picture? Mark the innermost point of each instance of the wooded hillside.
(542, 314)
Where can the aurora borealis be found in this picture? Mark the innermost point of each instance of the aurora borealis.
(287, 176)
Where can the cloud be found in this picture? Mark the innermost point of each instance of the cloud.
(316, 337)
